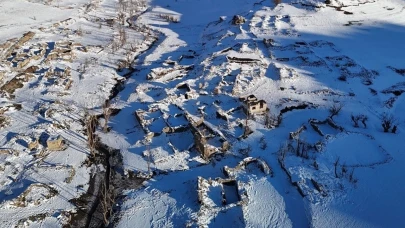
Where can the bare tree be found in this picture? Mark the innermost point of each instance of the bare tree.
(344, 169)
(267, 121)
(149, 160)
(83, 68)
(91, 123)
(122, 34)
(114, 46)
(304, 150)
(125, 63)
(263, 143)
(247, 130)
(107, 199)
(394, 129)
(123, 5)
(363, 120)
(79, 31)
(355, 119)
(351, 176)
(133, 48)
(298, 151)
(271, 120)
(335, 109)
(107, 114)
(283, 151)
(336, 164)
(121, 18)
(316, 166)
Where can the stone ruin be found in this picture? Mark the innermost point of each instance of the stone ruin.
(238, 20)
(242, 166)
(55, 143)
(207, 140)
(222, 194)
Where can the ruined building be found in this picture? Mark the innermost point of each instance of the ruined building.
(206, 140)
(252, 105)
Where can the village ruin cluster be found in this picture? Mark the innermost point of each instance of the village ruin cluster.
(124, 113)
(22, 62)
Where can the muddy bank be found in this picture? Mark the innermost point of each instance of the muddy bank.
(87, 203)
(115, 181)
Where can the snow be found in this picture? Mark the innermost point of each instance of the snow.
(267, 207)
(330, 44)
(299, 56)
(46, 107)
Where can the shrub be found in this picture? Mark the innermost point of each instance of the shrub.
(359, 118)
(367, 81)
(342, 78)
(388, 121)
(373, 91)
(169, 18)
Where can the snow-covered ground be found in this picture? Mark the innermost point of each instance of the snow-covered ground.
(328, 71)
(57, 64)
